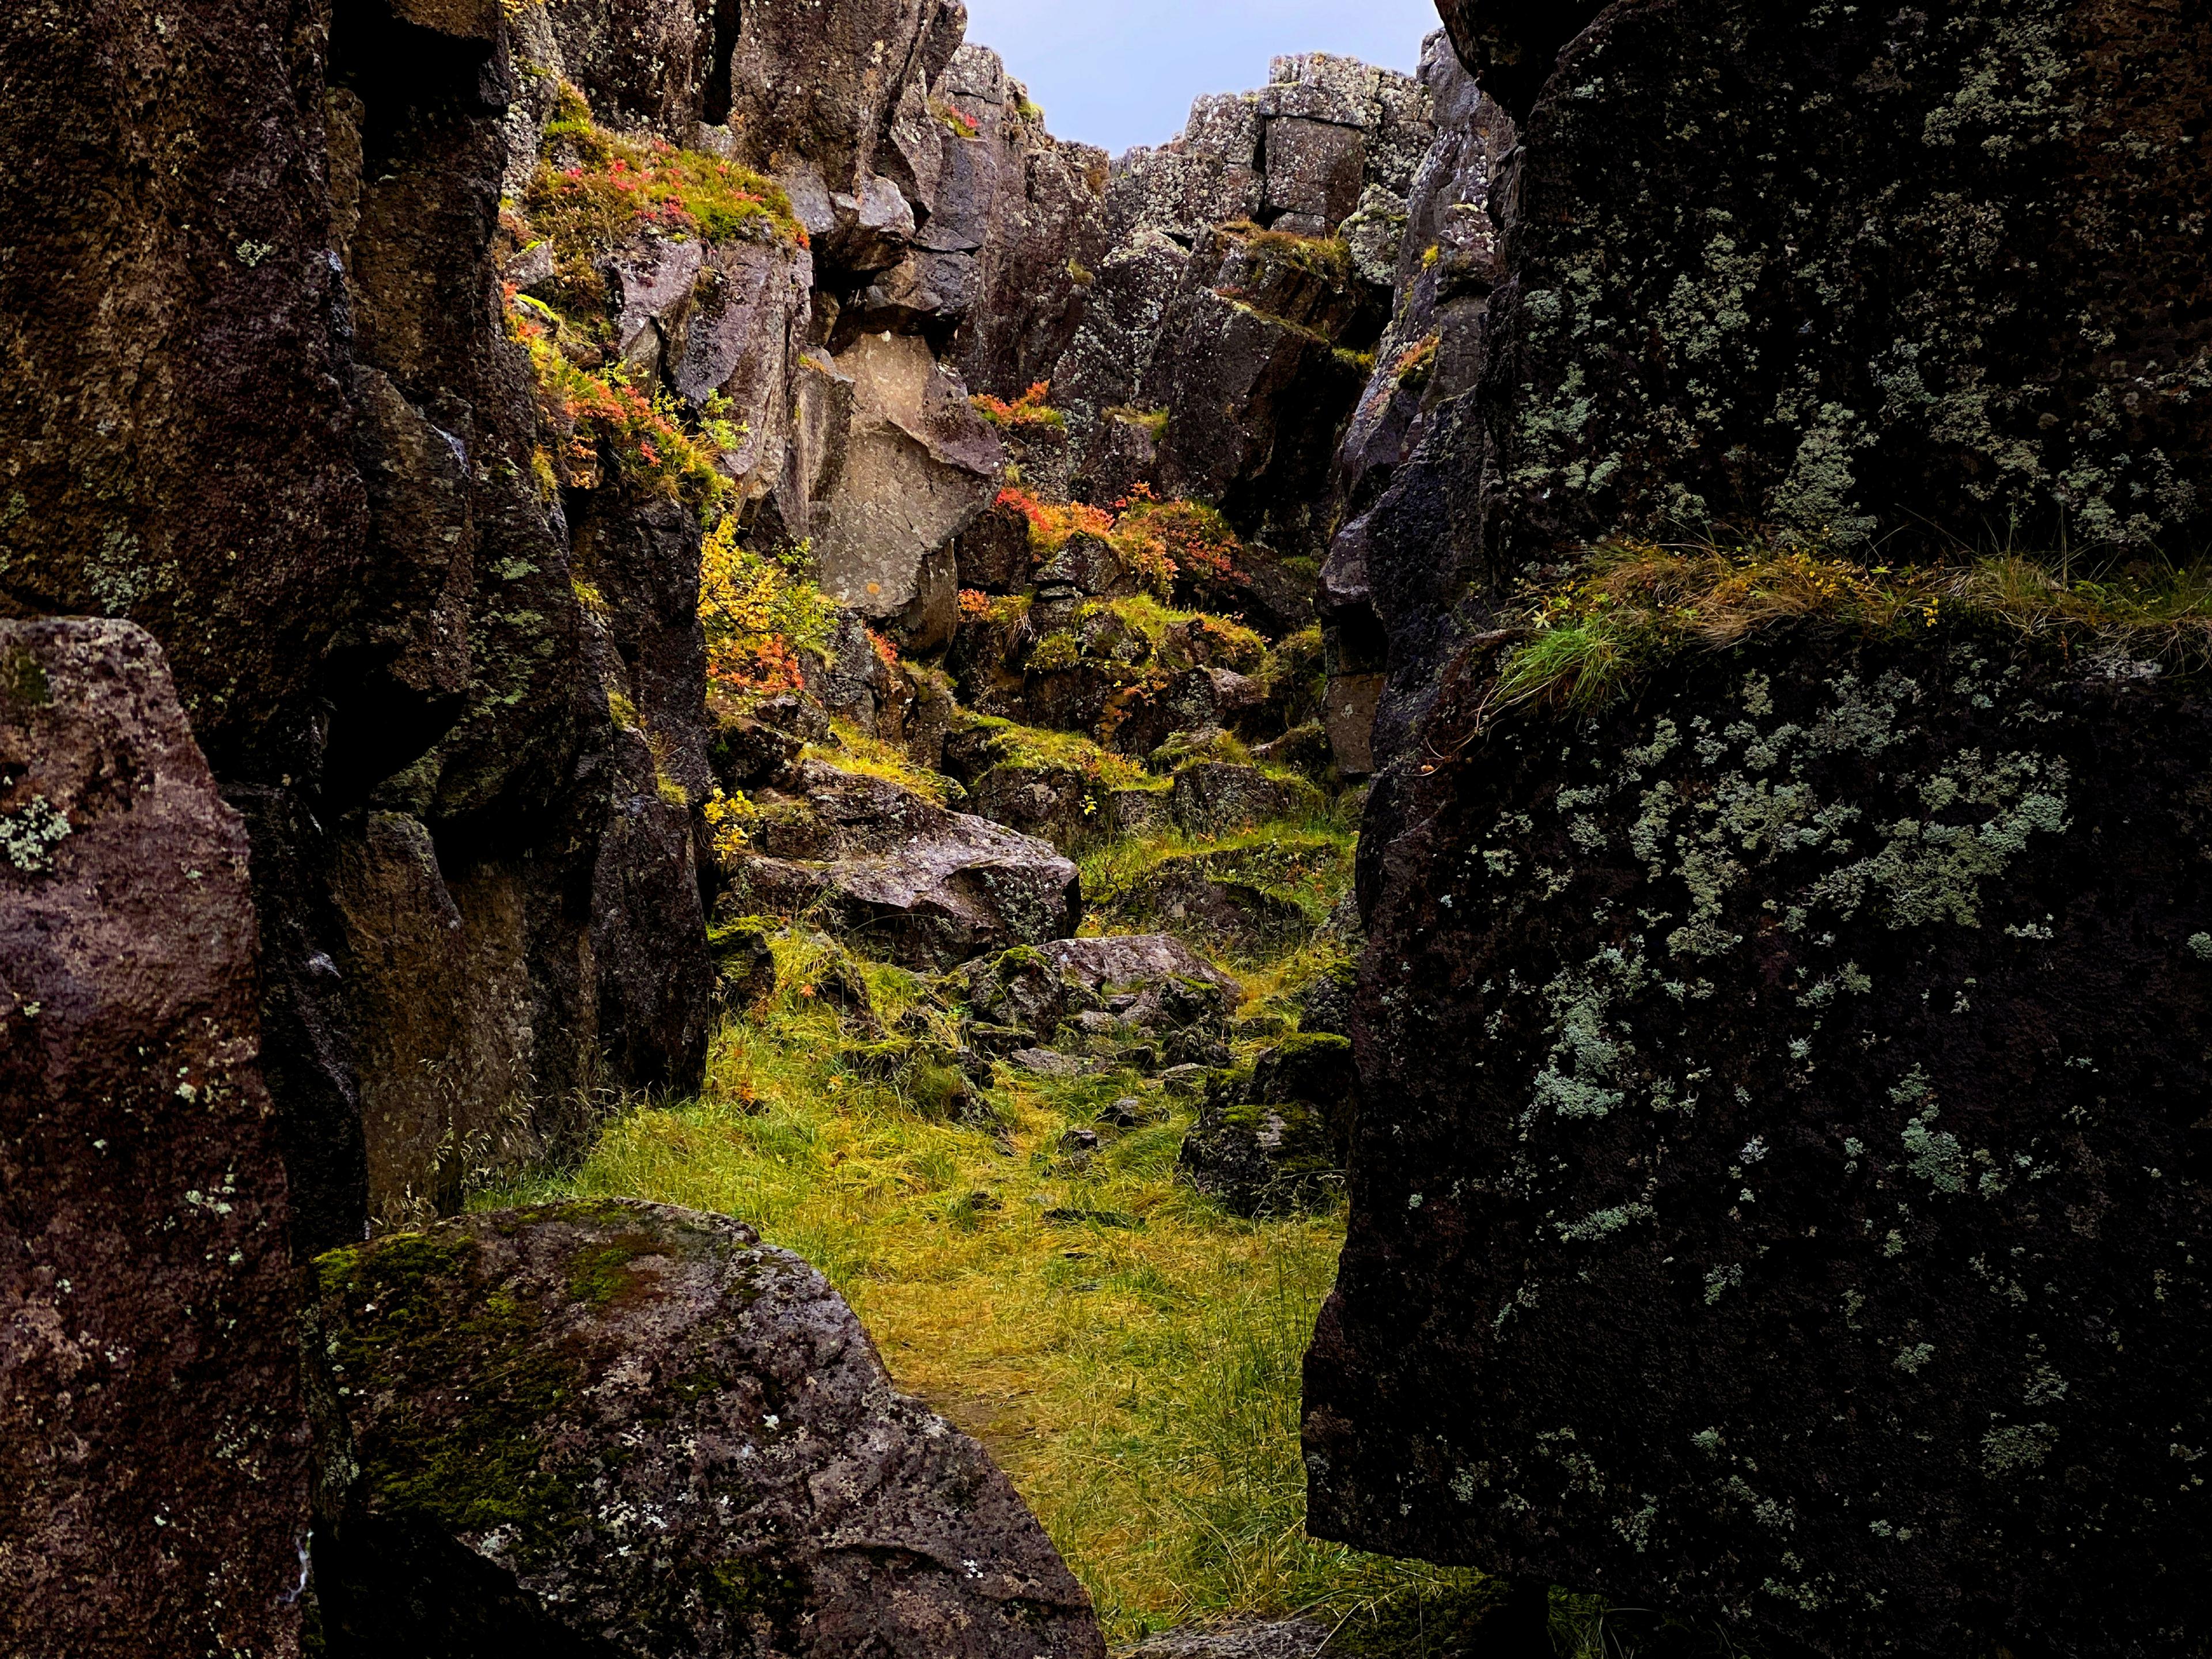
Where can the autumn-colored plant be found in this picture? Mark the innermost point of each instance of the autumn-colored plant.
(599, 418)
(616, 186)
(758, 616)
(1028, 412)
(1052, 525)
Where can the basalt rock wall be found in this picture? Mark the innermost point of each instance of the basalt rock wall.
(1680, 1102)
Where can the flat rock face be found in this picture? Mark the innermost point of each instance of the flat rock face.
(2031, 353)
(920, 466)
(153, 1445)
(1781, 1189)
(622, 1429)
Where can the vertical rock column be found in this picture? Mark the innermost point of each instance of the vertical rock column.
(153, 1457)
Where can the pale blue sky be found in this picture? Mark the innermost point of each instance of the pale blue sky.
(1123, 72)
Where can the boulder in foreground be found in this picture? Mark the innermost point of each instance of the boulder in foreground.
(1781, 1192)
(619, 1428)
(153, 1445)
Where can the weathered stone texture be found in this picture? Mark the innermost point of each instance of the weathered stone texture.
(1935, 273)
(618, 1428)
(1781, 1192)
(174, 420)
(152, 1443)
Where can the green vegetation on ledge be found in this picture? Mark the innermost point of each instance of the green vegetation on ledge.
(1631, 605)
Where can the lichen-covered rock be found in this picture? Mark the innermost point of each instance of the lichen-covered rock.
(1781, 1193)
(1273, 1138)
(922, 885)
(153, 1443)
(620, 1428)
(1995, 330)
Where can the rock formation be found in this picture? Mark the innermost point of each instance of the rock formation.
(1773, 1195)
(153, 1440)
(619, 1428)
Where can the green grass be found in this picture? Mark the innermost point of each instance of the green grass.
(1136, 1374)
(1632, 606)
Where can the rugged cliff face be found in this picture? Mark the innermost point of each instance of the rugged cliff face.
(1754, 966)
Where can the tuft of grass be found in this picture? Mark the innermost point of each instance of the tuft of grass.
(1129, 1353)
(854, 750)
(1633, 604)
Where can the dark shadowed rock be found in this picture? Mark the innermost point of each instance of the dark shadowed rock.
(207, 491)
(1024, 989)
(1781, 1190)
(1273, 1138)
(618, 1428)
(152, 1447)
(1994, 334)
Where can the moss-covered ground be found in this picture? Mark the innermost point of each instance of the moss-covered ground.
(1129, 1352)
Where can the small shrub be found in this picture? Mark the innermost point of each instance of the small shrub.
(1027, 413)
(759, 615)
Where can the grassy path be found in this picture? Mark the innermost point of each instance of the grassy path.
(1129, 1352)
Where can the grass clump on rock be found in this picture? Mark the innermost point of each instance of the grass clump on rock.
(1633, 604)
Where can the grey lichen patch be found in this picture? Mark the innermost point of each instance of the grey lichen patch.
(30, 833)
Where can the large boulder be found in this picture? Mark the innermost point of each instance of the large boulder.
(919, 465)
(618, 1428)
(153, 1443)
(924, 884)
(1995, 332)
(1782, 1184)
(1117, 965)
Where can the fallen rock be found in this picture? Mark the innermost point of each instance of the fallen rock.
(1212, 798)
(1024, 989)
(1273, 1139)
(507, 1400)
(925, 886)
(1203, 894)
(1847, 1072)
(745, 965)
(1144, 964)
(153, 1440)
(920, 466)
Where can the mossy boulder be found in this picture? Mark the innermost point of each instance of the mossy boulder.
(1271, 1137)
(1781, 1188)
(614, 1427)
(745, 964)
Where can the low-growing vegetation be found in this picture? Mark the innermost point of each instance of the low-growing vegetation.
(1027, 413)
(1633, 604)
(760, 612)
(1129, 1352)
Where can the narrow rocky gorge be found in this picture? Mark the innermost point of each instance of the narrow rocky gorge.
(1582, 663)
